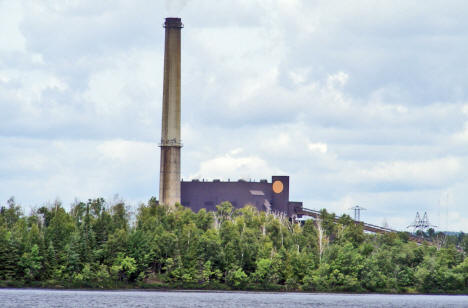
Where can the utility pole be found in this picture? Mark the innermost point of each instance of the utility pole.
(357, 212)
(421, 224)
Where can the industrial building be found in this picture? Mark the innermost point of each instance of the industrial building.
(265, 196)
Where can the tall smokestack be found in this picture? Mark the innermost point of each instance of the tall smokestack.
(169, 181)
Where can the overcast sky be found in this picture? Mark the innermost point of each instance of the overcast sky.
(359, 102)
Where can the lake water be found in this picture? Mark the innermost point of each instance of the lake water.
(77, 298)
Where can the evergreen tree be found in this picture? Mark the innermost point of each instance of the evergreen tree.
(94, 245)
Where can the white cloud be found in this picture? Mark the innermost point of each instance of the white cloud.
(235, 167)
(10, 32)
(318, 147)
(82, 169)
(462, 136)
(358, 103)
(299, 76)
(125, 151)
(465, 109)
(337, 80)
(437, 171)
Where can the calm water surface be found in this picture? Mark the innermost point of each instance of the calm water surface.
(68, 298)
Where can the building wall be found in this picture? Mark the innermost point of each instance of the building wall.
(264, 196)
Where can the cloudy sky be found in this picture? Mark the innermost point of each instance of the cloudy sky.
(359, 102)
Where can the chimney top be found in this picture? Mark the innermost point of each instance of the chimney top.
(173, 22)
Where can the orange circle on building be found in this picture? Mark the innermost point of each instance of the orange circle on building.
(277, 187)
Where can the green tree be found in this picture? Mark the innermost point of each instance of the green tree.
(237, 278)
(9, 255)
(11, 214)
(124, 267)
(60, 227)
(31, 263)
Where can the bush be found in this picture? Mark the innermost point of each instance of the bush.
(236, 278)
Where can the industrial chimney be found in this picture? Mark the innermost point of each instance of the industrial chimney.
(169, 181)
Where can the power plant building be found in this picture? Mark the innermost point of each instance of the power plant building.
(265, 196)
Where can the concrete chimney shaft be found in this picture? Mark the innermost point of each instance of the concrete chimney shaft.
(169, 181)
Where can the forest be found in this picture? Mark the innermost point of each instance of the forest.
(99, 244)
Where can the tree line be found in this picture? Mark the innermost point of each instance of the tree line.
(97, 244)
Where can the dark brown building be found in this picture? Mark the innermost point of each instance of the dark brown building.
(263, 195)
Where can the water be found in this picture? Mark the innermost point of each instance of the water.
(115, 299)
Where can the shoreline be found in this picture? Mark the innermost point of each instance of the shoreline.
(194, 290)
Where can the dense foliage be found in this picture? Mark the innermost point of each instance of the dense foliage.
(95, 245)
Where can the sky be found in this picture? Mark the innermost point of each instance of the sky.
(359, 102)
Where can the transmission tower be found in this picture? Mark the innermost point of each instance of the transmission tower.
(421, 224)
(357, 212)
